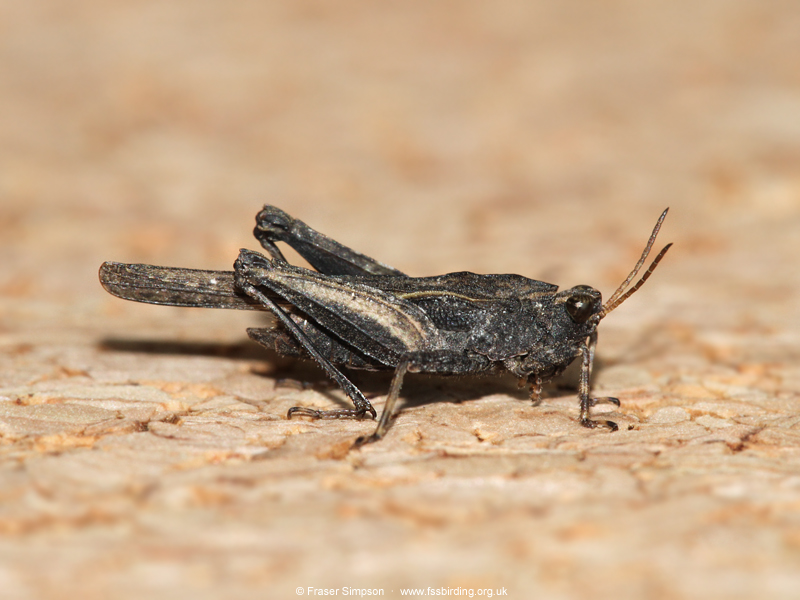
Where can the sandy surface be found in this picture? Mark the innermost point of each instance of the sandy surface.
(144, 449)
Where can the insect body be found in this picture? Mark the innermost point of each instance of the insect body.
(356, 312)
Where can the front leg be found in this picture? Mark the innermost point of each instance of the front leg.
(587, 360)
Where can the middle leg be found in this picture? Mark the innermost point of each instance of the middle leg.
(439, 361)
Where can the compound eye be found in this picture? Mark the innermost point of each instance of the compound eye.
(580, 307)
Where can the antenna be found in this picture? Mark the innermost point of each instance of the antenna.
(621, 295)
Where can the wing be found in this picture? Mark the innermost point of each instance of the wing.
(463, 284)
(460, 301)
(174, 286)
(374, 322)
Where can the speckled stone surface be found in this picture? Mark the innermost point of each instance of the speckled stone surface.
(144, 450)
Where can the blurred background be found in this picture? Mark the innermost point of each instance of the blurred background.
(540, 138)
(434, 137)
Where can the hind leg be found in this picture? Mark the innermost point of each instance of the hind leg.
(326, 255)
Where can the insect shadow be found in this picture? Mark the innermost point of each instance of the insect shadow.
(243, 350)
(419, 390)
(304, 374)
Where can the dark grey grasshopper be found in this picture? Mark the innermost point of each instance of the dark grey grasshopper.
(359, 313)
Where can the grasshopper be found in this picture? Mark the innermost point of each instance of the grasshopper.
(356, 312)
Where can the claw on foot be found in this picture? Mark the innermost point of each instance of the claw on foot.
(302, 411)
(587, 403)
(364, 440)
(604, 400)
(595, 423)
(340, 413)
